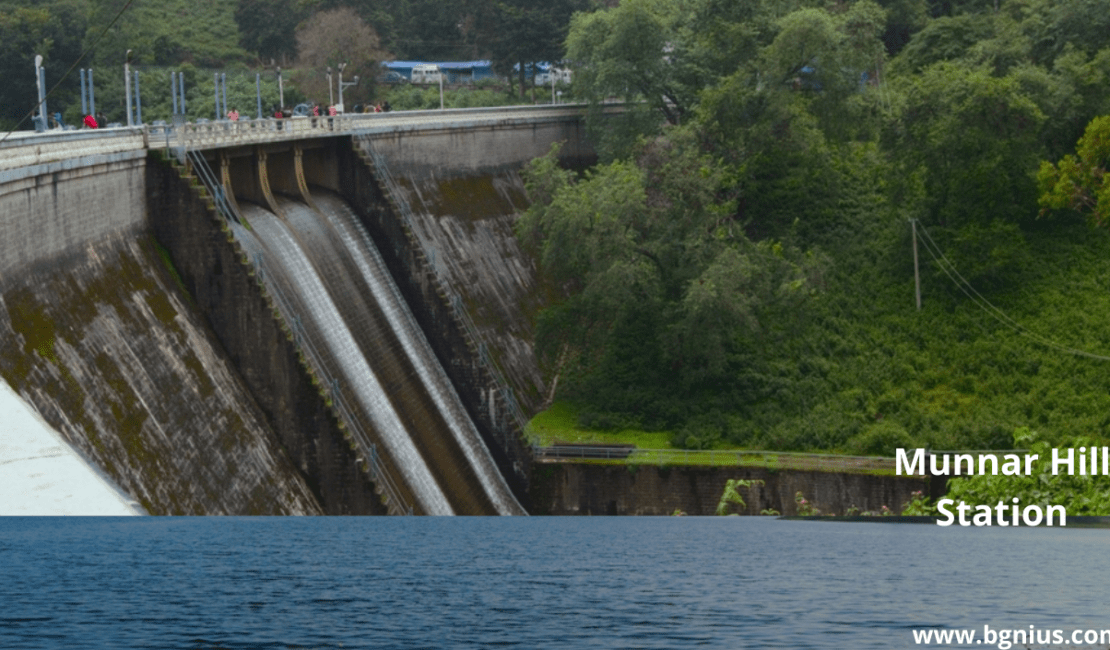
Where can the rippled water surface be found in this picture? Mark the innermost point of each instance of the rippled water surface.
(533, 582)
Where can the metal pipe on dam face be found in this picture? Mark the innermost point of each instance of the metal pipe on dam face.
(350, 310)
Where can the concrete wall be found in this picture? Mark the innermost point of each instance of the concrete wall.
(471, 151)
(596, 489)
(50, 209)
(418, 284)
(95, 334)
(464, 192)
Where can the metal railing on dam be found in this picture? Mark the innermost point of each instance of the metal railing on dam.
(28, 149)
(570, 452)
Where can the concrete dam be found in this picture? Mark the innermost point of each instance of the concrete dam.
(302, 317)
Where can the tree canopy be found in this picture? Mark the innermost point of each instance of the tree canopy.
(750, 300)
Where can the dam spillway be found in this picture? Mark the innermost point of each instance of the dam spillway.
(353, 317)
(132, 321)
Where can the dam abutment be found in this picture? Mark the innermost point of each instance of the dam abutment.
(96, 336)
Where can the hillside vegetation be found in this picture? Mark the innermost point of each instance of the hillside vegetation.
(242, 38)
(739, 269)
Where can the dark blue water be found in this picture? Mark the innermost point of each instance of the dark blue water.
(533, 582)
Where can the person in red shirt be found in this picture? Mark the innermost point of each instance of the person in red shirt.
(90, 122)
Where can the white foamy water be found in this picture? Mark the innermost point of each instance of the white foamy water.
(364, 253)
(272, 238)
(41, 474)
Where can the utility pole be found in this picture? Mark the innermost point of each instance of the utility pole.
(916, 271)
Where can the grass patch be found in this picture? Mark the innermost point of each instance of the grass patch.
(560, 423)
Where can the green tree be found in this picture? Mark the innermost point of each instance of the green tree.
(166, 32)
(1081, 182)
(521, 33)
(667, 293)
(971, 140)
(50, 29)
(1080, 495)
(636, 51)
(334, 37)
(943, 39)
(268, 27)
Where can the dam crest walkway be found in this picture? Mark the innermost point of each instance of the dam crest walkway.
(28, 150)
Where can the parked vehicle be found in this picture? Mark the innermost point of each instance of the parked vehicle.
(561, 75)
(428, 73)
(392, 77)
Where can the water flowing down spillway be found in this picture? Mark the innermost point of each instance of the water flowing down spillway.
(349, 310)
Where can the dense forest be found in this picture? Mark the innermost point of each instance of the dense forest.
(242, 38)
(739, 269)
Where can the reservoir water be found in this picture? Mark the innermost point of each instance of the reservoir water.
(534, 582)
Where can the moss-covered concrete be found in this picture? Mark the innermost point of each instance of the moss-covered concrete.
(425, 294)
(559, 488)
(106, 348)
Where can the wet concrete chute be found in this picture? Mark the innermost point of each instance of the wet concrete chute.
(351, 314)
(307, 355)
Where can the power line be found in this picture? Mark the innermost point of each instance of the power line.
(949, 269)
(70, 71)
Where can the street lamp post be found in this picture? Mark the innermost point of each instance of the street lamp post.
(342, 107)
(331, 98)
(40, 84)
(341, 66)
(138, 100)
(281, 91)
(127, 85)
(84, 99)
